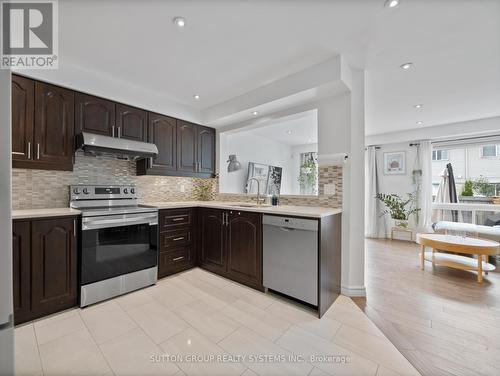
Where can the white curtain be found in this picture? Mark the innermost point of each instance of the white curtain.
(425, 196)
(371, 189)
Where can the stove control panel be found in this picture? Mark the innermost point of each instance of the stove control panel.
(102, 192)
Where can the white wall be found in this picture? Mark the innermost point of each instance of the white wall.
(250, 147)
(6, 335)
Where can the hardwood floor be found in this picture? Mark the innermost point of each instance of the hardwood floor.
(440, 319)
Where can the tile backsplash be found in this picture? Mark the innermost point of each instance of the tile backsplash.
(49, 189)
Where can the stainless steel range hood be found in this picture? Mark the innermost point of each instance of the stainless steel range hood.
(96, 144)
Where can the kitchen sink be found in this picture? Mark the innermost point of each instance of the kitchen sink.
(248, 205)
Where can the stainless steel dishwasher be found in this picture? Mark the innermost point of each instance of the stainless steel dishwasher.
(290, 257)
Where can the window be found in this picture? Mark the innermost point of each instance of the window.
(490, 151)
(440, 155)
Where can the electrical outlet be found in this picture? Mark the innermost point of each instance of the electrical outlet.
(329, 189)
(182, 188)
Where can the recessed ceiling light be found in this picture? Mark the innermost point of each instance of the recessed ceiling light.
(196, 96)
(420, 122)
(418, 106)
(255, 113)
(391, 3)
(179, 21)
(406, 66)
(289, 132)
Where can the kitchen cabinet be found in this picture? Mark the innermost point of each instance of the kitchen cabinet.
(42, 125)
(177, 243)
(205, 149)
(162, 131)
(108, 118)
(21, 262)
(54, 126)
(244, 247)
(212, 248)
(44, 267)
(131, 123)
(231, 244)
(186, 147)
(23, 108)
(94, 115)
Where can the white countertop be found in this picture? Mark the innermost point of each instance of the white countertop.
(44, 213)
(300, 211)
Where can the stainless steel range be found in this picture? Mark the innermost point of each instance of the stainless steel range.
(119, 242)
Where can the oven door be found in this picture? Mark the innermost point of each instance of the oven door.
(114, 245)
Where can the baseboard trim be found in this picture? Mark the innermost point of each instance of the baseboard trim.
(357, 291)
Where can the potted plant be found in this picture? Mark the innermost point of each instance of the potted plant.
(399, 209)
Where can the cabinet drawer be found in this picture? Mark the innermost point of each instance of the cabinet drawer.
(174, 261)
(171, 219)
(176, 238)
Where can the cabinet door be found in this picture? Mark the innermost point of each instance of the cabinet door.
(244, 247)
(54, 263)
(131, 123)
(21, 255)
(162, 132)
(206, 149)
(54, 126)
(94, 115)
(212, 240)
(23, 107)
(186, 146)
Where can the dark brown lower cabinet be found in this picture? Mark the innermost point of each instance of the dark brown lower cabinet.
(177, 243)
(45, 266)
(231, 245)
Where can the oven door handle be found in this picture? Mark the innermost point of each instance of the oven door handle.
(88, 224)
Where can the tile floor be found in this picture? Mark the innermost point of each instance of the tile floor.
(196, 323)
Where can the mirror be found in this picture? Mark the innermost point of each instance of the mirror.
(276, 156)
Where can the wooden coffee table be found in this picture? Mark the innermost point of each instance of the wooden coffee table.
(458, 244)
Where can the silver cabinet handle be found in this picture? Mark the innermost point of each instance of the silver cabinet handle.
(74, 228)
(37, 151)
(177, 239)
(29, 150)
(119, 132)
(177, 219)
(150, 161)
(112, 131)
(178, 258)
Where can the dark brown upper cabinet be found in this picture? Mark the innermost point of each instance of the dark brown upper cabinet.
(131, 123)
(206, 149)
(162, 131)
(23, 108)
(94, 115)
(54, 126)
(186, 147)
(42, 125)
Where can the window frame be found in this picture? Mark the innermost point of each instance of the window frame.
(435, 153)
(497, 151)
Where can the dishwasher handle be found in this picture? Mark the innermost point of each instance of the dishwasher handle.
(287, 229)
(290, 223)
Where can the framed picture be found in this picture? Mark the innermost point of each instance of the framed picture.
(260, 172)
(395, 163)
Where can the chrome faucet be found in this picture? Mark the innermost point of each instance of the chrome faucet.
(260, 200)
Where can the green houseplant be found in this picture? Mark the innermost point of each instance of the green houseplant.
(398, 208)
(308, 176)
(483, 187)
(468, 186)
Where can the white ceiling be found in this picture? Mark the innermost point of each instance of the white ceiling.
(293, 130)
(229, 48)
